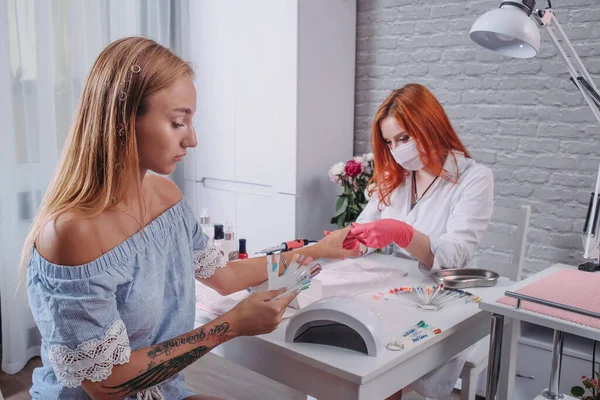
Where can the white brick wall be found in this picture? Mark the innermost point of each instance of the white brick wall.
(523, 118)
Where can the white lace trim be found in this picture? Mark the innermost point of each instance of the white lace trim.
(152, 393)
(92, 359)
(207, 261)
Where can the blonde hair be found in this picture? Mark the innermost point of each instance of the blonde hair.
(99, 160)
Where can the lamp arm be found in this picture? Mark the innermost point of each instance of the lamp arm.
(546, 18)
(575, 55)
(590, 89)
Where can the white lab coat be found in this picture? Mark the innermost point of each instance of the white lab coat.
(455, 217)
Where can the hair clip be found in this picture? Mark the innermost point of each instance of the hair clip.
(135, 69)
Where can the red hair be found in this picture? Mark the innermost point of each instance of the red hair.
(423, 118)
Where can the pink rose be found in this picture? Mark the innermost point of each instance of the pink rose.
(353, 168)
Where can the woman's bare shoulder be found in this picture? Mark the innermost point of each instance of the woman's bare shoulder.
(165, 189)
(69, 239)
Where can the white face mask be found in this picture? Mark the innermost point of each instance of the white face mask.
(407, 156)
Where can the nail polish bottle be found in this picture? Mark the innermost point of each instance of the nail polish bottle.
(242, 250)
(219, 236)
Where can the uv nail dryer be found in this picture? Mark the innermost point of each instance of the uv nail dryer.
(338, 321)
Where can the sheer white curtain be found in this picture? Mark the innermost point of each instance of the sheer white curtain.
(46, 49)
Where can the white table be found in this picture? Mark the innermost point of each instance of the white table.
(334, 373)
(501, 312)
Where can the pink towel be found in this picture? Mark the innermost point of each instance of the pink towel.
(569, 287)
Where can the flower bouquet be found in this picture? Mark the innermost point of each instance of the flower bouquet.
(591, 384)
(353, 176)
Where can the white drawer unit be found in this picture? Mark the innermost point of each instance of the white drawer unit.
(534, 356)
(275, 83)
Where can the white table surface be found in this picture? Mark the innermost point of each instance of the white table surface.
(489, 304)
(329, 372)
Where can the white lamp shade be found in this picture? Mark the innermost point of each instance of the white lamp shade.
(507, 30)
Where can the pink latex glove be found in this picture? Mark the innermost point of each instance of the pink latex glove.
(379, 234)
(350, 243)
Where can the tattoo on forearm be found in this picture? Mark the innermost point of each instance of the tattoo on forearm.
(167, 347)
(157, 373)
(219, 329)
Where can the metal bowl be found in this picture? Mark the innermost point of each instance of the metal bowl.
(460, 278)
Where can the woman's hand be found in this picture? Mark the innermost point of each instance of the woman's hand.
(336, 244)
(379, 234)
(257, 314)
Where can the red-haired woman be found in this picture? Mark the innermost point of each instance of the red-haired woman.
(430, 201)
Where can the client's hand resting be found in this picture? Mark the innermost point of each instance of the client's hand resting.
(379, 234)
(256, 315)
(334, 244)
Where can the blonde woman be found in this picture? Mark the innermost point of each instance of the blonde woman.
(113, 251)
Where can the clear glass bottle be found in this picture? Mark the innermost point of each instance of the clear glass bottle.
(207, 227)
(230, 245)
